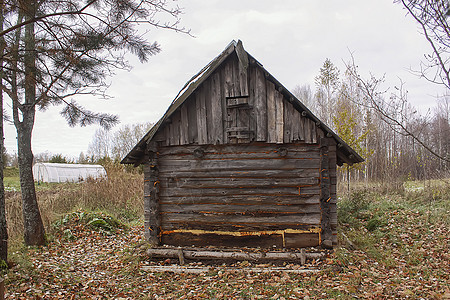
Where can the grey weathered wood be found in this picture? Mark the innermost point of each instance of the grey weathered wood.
(279, 118)
(296, 125)
(184, 125)
(307, 219)
(242, 175)
(175, 129)
(271, 113)
(325, 197)
(288, 122)
(254, 148)
(243, 69)
(229, 84)
(260, 104)
(216, 115)
(241, 182)
(245, 200)
(235, 255)
(192, 120)
(237, 227)
(151, 196)
(201, 117)
(237, 208)
(225, 192)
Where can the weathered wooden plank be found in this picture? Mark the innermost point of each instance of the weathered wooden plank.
(217, 129)
(229, 254)
(189, 239)
(325, 196)
(231, 90)
(250, 155)
(210, 122)
(307, 130)
(192, 120)
(314, 133)
(236, 227)
(201, 117)
(288, 122)
(184, 125)
(243, 69)
(226, 192)
(260, 105)
(237, 149)
(301, 240)
(271, 113)
(175, 128)
(306, 219)
(151, 198)
(209, 183)
(245, 200)
(241, 174)
(239, 164)
(296, 125)
(301, 132)
(227, 208)
(279, 107)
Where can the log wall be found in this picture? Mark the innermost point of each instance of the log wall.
(240, 195)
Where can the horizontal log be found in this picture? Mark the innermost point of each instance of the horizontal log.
(262, 154)
(220, 192)
(306, 219)
(168, 173)
(238, 182)
(239, 227)
(240, 148)
(235, 255)
(281, 163)
(244, 200)
(188, 239)
(236, 208)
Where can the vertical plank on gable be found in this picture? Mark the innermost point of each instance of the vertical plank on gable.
(175, 128)
(307, 130)
(216, 110)
(260, 104)
(243, 69)
(210, 122)
(228, 79)
(271, 113)
(201, 117)
(295, 125)
(288, 113)
(301, 129)
(184, 125)
(279, 117)
(192, 119)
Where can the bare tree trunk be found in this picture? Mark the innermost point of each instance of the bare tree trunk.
(3, 227)
(33, 227)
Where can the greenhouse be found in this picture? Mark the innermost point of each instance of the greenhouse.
(56, 172)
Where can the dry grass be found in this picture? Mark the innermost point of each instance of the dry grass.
(121, 195)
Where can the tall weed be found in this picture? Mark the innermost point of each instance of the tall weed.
(121, 195)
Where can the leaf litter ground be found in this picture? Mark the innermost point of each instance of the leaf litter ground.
(99, 265)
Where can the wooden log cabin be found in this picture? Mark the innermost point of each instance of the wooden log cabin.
(238, 161)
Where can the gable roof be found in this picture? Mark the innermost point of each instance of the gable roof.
(345, 153)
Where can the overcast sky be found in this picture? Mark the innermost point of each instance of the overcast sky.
(291, 38)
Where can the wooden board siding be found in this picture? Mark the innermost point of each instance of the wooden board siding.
(223, 110)
(254, 194)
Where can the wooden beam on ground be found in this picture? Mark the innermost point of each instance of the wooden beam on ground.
(200, 254)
